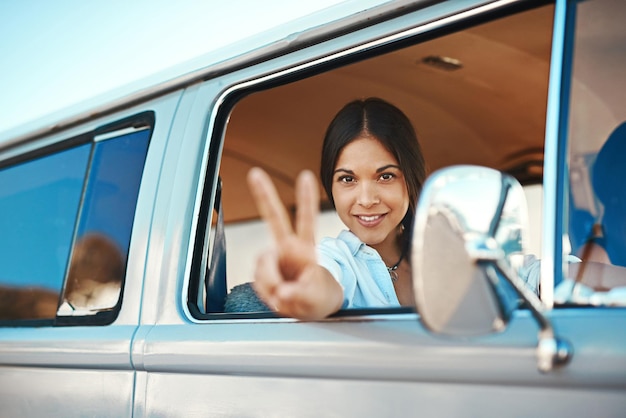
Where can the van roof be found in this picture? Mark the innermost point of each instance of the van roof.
(292, 34)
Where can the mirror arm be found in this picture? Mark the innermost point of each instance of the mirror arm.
(551, 350)
(495, 222)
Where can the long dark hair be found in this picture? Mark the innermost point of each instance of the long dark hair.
(383, 121)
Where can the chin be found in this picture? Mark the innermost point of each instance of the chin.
(370, 239)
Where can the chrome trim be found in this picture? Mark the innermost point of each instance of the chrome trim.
(549, 256)
(361, 318)
(120, 132)
(552, 351)
(386, 40)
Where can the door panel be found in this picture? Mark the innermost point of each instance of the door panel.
(370, 366)
(304, 397)
(48, 392)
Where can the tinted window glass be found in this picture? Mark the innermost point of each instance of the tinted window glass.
(99, 257)
(39, 202)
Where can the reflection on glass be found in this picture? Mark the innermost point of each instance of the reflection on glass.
(96, 272)
(98, 264)
(27, 303)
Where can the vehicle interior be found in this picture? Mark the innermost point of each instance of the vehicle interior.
(475, 96)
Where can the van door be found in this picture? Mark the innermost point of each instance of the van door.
(487, 108)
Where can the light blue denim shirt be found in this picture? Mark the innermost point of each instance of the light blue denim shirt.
(360, 271)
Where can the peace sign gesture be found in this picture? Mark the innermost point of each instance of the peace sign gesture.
(287, 276)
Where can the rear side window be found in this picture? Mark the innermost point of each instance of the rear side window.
(66, 217)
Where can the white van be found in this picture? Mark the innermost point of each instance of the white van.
(125, 226)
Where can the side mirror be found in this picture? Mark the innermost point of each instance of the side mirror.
(467, 252)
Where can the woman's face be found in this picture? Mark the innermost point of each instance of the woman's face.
(369, 191)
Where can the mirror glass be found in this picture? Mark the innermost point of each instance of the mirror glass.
(469, 229)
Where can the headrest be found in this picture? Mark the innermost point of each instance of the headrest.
(609, 169)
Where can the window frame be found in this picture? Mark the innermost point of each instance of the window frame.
(346, 52)
(560, 138)
(145, 119)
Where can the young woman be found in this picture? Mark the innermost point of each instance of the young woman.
(372, 170)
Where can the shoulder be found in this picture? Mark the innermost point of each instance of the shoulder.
(346, 242)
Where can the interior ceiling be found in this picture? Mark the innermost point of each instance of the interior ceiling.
(490, 112)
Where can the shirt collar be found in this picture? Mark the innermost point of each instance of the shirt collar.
(352, 241)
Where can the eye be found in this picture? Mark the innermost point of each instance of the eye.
(345, 179)
(387, 176)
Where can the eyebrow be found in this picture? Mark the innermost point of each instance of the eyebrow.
(378, 170)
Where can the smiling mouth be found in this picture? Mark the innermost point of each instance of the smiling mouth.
(370, 220)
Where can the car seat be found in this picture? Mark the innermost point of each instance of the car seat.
(215, 284)
(609, 185)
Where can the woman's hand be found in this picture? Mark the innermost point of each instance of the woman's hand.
(287, 277)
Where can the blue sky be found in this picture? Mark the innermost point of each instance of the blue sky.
(57, 53)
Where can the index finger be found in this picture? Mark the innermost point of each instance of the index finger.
(269, 204)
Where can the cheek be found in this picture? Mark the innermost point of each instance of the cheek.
(406, 199)
(400, 197)
(343, 203)
(339, 198)
(402, 203)
(403, 206)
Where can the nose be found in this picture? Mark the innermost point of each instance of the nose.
(367, 194)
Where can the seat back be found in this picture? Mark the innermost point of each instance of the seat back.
(609, 185)
(215, 284)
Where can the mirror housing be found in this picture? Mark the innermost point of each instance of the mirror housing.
(468, 249)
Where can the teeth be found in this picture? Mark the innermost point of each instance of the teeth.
(369, 218)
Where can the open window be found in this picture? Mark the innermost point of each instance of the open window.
(475, 95)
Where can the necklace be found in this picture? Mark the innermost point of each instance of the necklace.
(392, 270)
